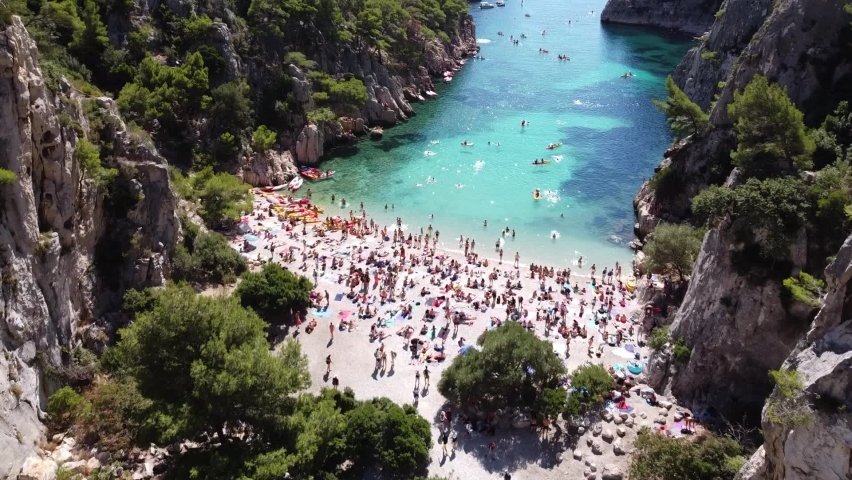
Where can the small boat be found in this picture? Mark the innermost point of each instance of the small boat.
(295, 184)
(484, 5)
(627, 75)
(536, 194)
(553, 145)
(316, 174)
(465, 144)
(542, 162)
(274, 188)
(528, 16)
(500, 3)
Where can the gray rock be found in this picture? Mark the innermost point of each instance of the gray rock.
(607, 435)
(309, 145)
(660, 420)
(629, 422)
(596, 448)
(612, 472)
(617, 420)
(607, 416)
(597, 429)
(578, 455)
(581, 430)
(692, 17)
(618, 447)
(274, 167)
(620, 431)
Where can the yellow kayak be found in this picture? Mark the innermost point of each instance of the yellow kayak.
(631, 285)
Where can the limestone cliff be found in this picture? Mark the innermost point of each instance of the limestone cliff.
(53, 224)
(820, 448)
(693, 17)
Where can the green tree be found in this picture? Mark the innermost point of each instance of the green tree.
(222, 196)
(675, 246)
(777, 207)
(684, 116)
(64, 407)
(381, 23)
(231, 108)
(834, 137)
(322, 117)
(274, 292)
(115, 414)
(805, 288)
(349, 92)
(552, 402)
(7, 176)
(91, 41)
(263, 139)
(210, 259)
(771, 134)
(510, 368)
(708, 457)
(788, 404)
(215, 355)
(88, 158)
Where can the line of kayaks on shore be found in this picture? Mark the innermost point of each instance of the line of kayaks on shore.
(297, 181)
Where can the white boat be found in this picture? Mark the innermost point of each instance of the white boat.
(486, 5)
(500, 3)
(295, 184)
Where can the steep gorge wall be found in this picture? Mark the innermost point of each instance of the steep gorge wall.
(692, 17)
(52, 223)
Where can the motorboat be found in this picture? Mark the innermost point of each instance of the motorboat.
(484, 5)
(500, 3)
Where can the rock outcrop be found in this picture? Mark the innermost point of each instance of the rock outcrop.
(310, 144)
(264, 169)
(53, 223)
(693, 17)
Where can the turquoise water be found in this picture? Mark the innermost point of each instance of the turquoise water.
(612, 137)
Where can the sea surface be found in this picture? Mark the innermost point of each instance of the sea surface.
(612, 137)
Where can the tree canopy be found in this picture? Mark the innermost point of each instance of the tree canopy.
(707, 457)
(675, 246)
(511, 367)
(222, 196)
(590, 385)
(771, 136)
(274, 292)
(683, 115)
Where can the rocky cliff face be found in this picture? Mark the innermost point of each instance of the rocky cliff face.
(51, 226)
(693, 17)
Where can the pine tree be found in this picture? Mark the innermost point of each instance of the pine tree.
(684, 116)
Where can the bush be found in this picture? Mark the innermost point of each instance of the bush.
(64, 407)
(117, 410)
(274, 293)
(707, 457)
(263, 139)
(805, 288)
(591, 385)
(659, 338)
(509, 369)
(788, 405)
(681, 352)
(322, 117)
(719, 13)
(552, 402)
(350, 92)
(666, 184)
(710, 56)
(88, 158)
(7, 177)
(683, 115)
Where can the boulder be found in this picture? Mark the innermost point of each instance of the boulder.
(521, 421)
(660, 420)
(274, 167)
(665, 404)
(597, 429)
(618, 447)
(612, 472)
(596, 448)
(629, 422)
(607, 416)
(37, 468)
(578, 455)
(620, 431)
(617, 420)
(607, 435)
(309, 145)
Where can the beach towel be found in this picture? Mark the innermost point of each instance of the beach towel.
(324, 312)
(626, 409)
(622, 353)
(630, 348)
(339, 297)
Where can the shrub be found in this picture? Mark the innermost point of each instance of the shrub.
(117, 410)
(322, 117)
(263, 139)
(591, 384)
(88, 158)
(7, 176)
(300, 60)
(681, 352)
(211, 260)
(788, 405)
(719, 13)
(64, 407)
(684, 116)
(707, 457)
(710, 56)
(666, 183)
(659, 338)
(223, 197)
(805, 288)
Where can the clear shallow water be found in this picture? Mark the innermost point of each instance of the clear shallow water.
(611, 133)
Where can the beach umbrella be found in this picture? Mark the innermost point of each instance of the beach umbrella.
(466, 348)
(251, 238)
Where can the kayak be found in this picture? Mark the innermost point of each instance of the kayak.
(541, 163)
(536, 195)
(554, 145)
(295, 184)
(274, 188)
(466, 144)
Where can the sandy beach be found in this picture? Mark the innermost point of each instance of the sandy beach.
(523, 453)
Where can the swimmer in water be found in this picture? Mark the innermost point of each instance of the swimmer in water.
(485, 223)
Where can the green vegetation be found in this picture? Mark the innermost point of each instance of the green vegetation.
(805, 289)
(659, 338)
(274, 293)
(226, 383)
(590, 385)
(777, 207)
(681, 352)
(222, 197)
(207, 257)
(89, 159)
(510, 368)
(263, 139)
(322, 117)
(719, 13)
(552, 402)
(710, 56)
(684, 116)
(788, 404)
(666, 184)
(707, 457)
(771, 134)
(673, 246)
(7, 176)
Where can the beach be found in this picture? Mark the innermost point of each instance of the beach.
(352, 348)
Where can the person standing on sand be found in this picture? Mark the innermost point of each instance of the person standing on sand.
(501, 256)
(328, 364)
(417, 380)
(426, 376)
(517, 259)
(331, 329)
